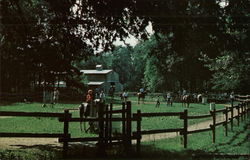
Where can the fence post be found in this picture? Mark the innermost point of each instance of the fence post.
(242, 112)
(138, 144)
(232, 117)
(185, 131)
(213, 113)
(238, 116)
(124, 121)
(106, 128)
(110, 122)
(67, 115)
(245, 111)
(101, 144)
(128, 132)
(226, 114)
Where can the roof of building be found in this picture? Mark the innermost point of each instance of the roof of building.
(95, 83)
(104, 71)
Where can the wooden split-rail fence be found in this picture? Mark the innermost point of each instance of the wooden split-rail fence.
(239, 112)
(106, 118)
(105, 121)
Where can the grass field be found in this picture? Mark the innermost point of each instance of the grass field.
(52, 125)
(236, 142)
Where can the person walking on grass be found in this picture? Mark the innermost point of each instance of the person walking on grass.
(169, 99)
(158, 102)
(55, 96)
(125, 96)
(102, 96)
(232, 97)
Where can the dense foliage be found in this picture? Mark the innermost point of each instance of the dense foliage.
(40, 39)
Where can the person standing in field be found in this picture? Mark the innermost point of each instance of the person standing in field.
(125, 96)
(232, 98)
(55, 96)
(169, 99)
(102, 96)
(89, 100)
(158, 102)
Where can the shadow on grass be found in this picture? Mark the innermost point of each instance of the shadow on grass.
(6, 103)
(245, 129)
(90, 151)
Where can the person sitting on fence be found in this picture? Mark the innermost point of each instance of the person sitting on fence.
(90, 110)
(89, 97)
(84, 110)
(158, 102)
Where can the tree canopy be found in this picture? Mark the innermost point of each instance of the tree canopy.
(40, 38)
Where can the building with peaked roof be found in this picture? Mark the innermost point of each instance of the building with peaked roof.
(102, 79)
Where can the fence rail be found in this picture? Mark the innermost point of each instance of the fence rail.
(200, 116)
(34, 135)
(161, 114)
(162, 131)
(220, 110)
(199, 130)
(92, 119)
(93, 139)
(242, 111)
(31, 114)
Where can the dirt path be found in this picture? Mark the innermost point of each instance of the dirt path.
(19, 143)
(14, 143)
(201, 125)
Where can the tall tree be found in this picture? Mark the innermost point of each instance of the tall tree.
(62, 30)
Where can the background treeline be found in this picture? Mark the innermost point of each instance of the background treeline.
(196, 45)
(153, 65)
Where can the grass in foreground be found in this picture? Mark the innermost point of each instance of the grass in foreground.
(237, 142)
(170, 149)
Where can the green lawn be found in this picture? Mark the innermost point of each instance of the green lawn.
(236, 142)
(38, 125)
(52, 125)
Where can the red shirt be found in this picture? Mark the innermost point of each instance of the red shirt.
(89, 98)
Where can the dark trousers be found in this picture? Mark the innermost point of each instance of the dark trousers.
(157, 104)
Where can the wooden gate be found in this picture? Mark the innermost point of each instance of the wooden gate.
(106, 138)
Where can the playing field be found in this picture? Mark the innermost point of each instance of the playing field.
(235, 143)
(52, 125)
